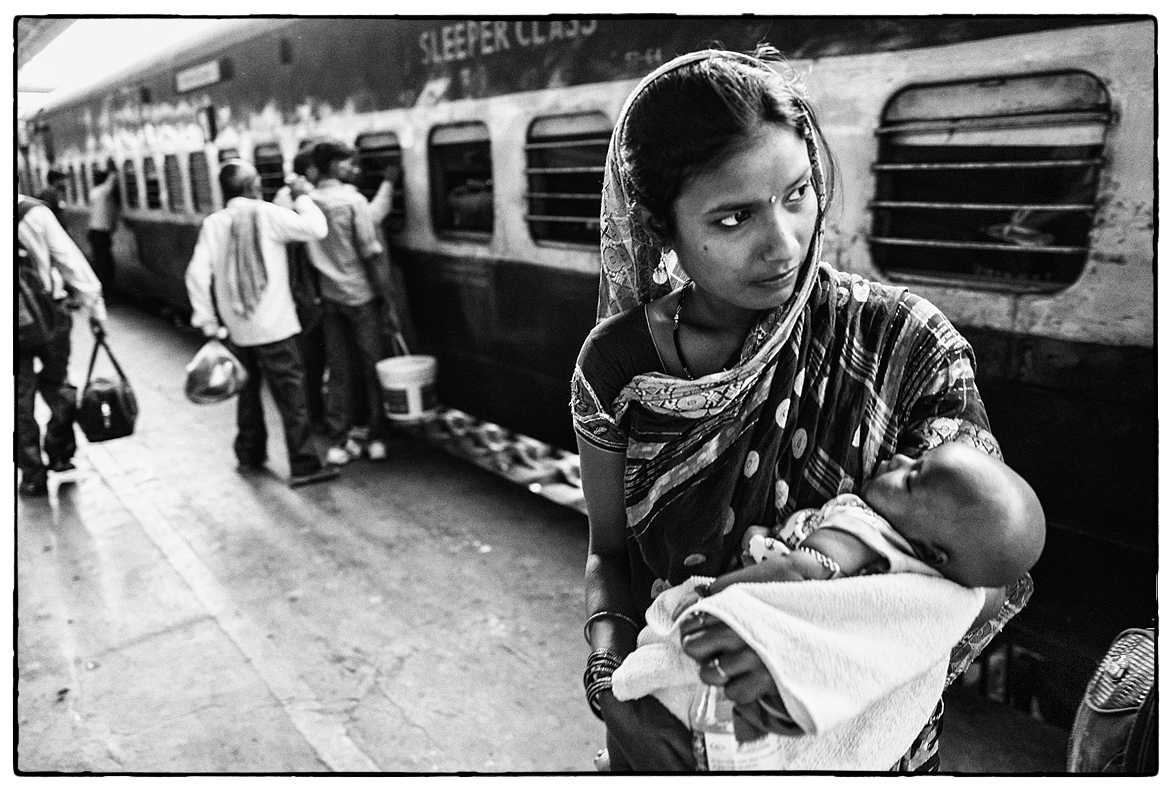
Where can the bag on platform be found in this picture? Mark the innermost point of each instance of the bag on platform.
(38, 314)
(214, 374)
(1114, 730)
(107, 409)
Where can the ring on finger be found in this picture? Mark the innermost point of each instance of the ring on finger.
(719, 671)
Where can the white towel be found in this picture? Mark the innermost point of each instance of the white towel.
(860, 662)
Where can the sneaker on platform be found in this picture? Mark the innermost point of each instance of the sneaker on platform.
(61, 466)
(337, 456)
(353, 448)
(376, 450)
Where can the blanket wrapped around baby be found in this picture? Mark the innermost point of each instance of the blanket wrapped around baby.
(860, 662)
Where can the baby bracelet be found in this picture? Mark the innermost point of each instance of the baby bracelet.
(824, 560)
(600, 614)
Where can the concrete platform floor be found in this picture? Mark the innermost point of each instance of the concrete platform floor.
(418, 615)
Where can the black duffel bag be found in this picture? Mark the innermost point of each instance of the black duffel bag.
(107, 409)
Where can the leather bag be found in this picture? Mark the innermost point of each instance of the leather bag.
(107, 408)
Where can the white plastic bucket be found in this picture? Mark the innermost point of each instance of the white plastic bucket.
(408, 386)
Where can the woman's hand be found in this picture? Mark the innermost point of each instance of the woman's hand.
(650, 738)
(725, 660)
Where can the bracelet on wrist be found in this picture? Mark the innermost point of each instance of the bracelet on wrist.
(600, 666)
(599, 615)
(824, 560)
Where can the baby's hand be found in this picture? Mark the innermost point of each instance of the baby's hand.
(751, 534)
(776, 567)
(762, 548)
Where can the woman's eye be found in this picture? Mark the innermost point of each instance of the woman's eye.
(735, 219)
(798, 193)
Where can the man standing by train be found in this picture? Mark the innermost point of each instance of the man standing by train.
(105, 209)
(356, 297)
(238, 283)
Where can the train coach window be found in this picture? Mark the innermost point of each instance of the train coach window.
(270, 164)
(377, 151)
(565, 157)
(461, 179)
(990, 181)
(201, 181)
(173, 181)
(154, 190)
(130, 178)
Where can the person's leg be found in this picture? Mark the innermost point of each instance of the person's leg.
(334, 326)
(313, 355)
(102, 257)
(368, 338)
(251, 435)
(28, 434)
(281, 363)
(61, 397)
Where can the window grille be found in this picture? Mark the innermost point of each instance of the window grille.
(130, 178)
(376, 151)
(201, 181)
(173, 181)
(565, 159)
(461, 179)
(154, 190)
(270, 164)
(990, 181)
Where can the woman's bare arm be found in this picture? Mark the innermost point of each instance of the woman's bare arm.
(608, 573)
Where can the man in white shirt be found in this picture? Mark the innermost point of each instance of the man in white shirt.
(238, 283)
(64, 273)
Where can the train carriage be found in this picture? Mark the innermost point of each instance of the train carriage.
(1001, 167)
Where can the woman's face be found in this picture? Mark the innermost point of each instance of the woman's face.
(744, 228)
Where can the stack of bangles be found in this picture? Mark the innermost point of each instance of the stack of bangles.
(601, 663)
(599, 668)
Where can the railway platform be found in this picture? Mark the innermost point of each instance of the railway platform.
(419, 615)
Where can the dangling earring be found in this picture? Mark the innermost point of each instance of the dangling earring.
(660, 274)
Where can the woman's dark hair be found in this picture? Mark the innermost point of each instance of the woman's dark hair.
(691, 119)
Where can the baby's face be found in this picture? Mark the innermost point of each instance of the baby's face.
(897, 491)
(914, 495)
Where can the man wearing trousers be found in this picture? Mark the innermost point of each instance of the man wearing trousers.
(240, 263)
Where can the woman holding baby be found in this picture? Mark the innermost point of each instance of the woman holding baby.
(734, 379)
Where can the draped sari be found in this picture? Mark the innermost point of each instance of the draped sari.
(844, 375)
